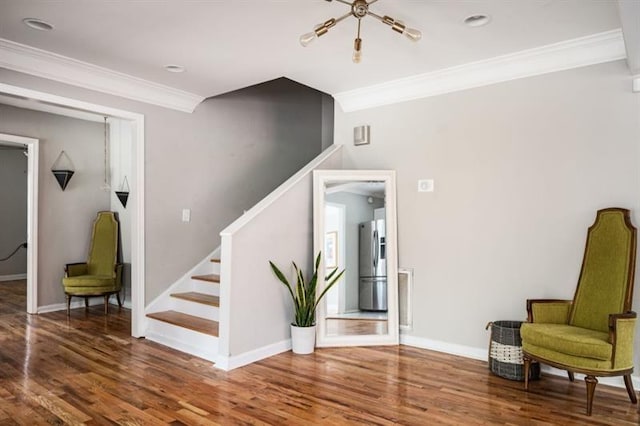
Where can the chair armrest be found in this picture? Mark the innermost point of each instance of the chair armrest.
(621, 334)
(75, 269)
(549, 311)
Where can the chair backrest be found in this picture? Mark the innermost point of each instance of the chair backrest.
(608, 268)
(103, 253)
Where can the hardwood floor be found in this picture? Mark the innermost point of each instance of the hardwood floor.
(87, 370)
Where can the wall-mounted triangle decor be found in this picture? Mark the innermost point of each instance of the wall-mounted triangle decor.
(123, 194)
(63, 169)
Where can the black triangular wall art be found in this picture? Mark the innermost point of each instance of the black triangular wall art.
(63, 177)
(123, 196)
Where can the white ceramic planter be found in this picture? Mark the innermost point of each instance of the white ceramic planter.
(303, 339)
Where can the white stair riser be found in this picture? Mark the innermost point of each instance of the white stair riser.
(205, 287)
(182, 339)
(215, 268)
(195, 309)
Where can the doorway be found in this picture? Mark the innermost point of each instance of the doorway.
(32, 147)
(135, 203)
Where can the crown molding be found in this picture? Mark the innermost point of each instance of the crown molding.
(590, 50)
(41, 63)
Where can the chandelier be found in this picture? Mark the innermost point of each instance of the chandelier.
(359, 9)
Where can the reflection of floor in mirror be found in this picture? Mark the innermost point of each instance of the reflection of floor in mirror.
(350, 327)
(360, 315)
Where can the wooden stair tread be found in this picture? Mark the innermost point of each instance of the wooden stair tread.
(187, 321)
(212, 278)
(205, 299)
(215, 260)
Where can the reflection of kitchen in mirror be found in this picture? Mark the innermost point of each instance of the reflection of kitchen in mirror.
(355, 240)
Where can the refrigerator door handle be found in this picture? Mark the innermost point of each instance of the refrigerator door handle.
(375, 250)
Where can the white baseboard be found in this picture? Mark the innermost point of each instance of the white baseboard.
(14, 277)
(439, 346)
(482, 355)
(63, 306)
(227, 363)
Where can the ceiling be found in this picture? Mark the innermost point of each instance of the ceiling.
(230, 44)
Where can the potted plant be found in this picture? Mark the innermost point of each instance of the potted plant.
(305, 302)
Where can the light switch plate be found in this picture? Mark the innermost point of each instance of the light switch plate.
(425, 185)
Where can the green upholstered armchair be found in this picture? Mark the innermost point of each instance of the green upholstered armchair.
(101, 275)
(592, 334)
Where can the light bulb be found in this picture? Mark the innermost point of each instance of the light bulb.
(357, 56)
(307, 38)
(357, 51)
(412, 34)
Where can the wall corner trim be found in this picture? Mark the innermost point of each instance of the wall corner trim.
(41, 63)
(579, 52)
(636, 84)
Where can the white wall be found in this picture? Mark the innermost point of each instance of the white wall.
(520, 169)
(65, 217)
(283, 232)
(13, 210)
(218, 161)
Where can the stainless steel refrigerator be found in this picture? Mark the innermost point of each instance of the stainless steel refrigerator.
(372, 267)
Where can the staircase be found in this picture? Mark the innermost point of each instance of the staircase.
(187, 320)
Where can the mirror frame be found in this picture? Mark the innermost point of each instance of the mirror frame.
(320, 180)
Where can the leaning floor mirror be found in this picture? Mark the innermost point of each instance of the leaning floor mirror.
(355, 229)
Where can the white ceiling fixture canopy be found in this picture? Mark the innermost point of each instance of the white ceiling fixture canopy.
(359, 10)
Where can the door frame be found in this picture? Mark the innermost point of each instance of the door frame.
(33, 147)
(138, 319)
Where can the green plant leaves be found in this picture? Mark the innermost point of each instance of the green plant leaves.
(303, 295)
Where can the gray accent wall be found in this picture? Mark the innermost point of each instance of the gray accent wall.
(218, 161)
(520, 170)
(64, 217)
(13, 209)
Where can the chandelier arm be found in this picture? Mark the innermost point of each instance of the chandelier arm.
(388, 20)
(342, 18)
(378, 17)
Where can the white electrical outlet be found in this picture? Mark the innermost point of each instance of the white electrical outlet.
(186, 215)
(425, 185)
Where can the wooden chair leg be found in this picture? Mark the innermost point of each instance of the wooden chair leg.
(571, 376)
(68, 305)
(119, 300)
(106, 304)
(591, 388)
(629, 384)
(86, 303)
(527, 366)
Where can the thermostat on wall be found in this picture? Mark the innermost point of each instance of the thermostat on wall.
(361, 135)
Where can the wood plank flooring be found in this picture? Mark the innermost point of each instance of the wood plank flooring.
(87, 370)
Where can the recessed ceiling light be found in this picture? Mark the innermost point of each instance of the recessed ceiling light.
(477, 20)
(37, 24)
(174, 68)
